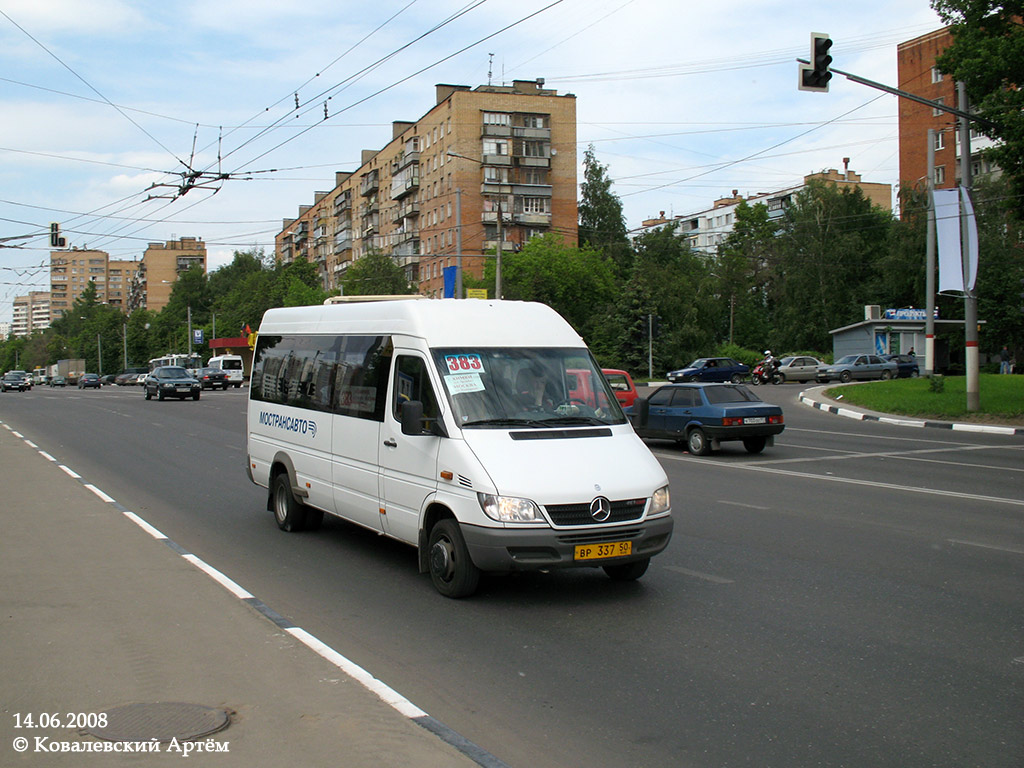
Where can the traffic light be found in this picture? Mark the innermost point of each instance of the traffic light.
(56, 241)
(815, 76)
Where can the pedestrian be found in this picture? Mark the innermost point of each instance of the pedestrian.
(911, 352)
(1004, 360)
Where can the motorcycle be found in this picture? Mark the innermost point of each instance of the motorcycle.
(765, 372)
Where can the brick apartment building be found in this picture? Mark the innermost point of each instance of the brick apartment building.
(31, 313)
(917, 74)
(481, 150)
(127, 285)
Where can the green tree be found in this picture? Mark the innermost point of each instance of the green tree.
(743, 268)
(987, 55)
(832, 242)
(578, 283)
(675, 284)
(376, 273)
(602, 225)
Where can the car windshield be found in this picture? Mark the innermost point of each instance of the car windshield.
(700, 363)
(848, 360)
(786, 361)
(730, 394)
(173, 373)
(516, 387)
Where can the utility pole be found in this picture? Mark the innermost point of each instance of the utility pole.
(458, 243)
(929, 275)
(970, 299)
(99, 355)
(497, 268)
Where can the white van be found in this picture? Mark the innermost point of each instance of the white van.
(231, 365)
(449, 425)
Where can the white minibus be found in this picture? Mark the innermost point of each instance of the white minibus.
(231, 365)
(449, 425)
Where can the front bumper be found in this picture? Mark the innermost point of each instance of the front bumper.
(507, 549)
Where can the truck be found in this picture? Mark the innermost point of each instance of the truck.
(71, 369)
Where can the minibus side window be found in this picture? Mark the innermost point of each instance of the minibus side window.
(412, 382)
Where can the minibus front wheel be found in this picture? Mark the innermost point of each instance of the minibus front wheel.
(451, 569)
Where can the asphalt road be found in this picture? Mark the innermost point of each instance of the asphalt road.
(851, 597)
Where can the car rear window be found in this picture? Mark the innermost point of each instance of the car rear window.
(730, 395)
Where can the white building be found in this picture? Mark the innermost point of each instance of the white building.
(707, 229)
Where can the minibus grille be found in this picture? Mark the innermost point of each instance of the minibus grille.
(579, 514)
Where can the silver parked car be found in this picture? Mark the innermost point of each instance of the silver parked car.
(797, 368)
(861, 367)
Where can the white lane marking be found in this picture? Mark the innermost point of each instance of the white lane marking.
(17, 434)
(386, 694)
(156, 534)
(851, 481)
(698, 575)
(30, 444)
(986, 546)
(739, 504)
(884, 455)
(219, 577)
(47, 456)
(70, 471)
(98, 492)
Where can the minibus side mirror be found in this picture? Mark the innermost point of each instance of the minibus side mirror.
(641, 409)
(412, 421)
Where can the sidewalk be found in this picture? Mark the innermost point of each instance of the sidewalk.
(99, 612)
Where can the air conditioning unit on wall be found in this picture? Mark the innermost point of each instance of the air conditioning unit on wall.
(872, 312)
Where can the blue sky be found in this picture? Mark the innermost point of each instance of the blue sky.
(683, 102)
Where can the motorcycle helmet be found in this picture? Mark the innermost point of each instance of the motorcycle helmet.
(767, 353)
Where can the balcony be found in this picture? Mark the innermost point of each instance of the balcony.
(525, 161)
(532, 219)
(496, 130)
(408, 209)
(532, 133)
(406, 250)
(401, 187)
(369, 184)
(496, 160)
(404, 160)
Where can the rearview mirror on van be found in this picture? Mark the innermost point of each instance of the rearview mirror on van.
(641, 407)
(413, 424)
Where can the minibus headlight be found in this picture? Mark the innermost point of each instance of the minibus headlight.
(660, 502)
(507, 509)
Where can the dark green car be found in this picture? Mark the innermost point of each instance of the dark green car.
(171, 381)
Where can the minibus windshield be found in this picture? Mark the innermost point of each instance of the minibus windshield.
(498, 388)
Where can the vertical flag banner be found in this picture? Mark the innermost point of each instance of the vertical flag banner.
(947, 230)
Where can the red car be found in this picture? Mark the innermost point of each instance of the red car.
(622, 385)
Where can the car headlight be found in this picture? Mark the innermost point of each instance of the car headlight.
(660, 502)
(508, 509)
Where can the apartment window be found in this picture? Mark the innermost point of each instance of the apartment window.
(536, 204)
(495, 146)
(936, 75)
(940, 174)
(495, 175)
(940, 140)
(534, 121)
(534, 175)
(497, 118)
(534, 149)
(936, 112)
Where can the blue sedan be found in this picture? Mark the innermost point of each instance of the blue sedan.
(705, 415)
(711, 369)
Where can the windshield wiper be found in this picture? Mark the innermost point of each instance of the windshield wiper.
(505, 422)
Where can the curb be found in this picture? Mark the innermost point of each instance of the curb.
(852, 413)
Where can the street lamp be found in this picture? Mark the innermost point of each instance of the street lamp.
(458, 199)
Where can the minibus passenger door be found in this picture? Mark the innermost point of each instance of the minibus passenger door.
(408, 463)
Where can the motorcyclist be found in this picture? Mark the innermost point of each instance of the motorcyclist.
(770, 363)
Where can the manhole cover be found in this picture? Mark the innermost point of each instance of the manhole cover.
(161, 721)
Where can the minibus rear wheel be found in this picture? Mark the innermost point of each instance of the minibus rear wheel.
(289, 513)
(451, 568)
